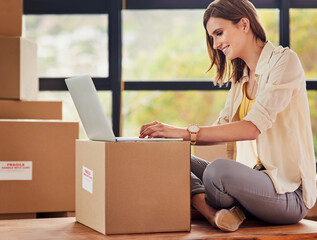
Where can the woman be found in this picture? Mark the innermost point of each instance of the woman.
(274, 134)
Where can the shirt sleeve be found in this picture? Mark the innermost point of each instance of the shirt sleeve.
(284, 82)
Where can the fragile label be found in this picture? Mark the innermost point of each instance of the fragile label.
(16, 170)
(88, 177)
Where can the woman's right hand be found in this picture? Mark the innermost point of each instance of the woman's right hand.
(158, 129)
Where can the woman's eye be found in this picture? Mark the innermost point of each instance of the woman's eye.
(219, 33)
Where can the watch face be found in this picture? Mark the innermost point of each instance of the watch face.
(193, 128)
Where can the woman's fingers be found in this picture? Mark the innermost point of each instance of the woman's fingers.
(157, 129)
(147, 125)
(155, 134)
(151, 130)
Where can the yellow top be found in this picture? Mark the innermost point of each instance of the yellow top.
(244, 108)
(245, 105)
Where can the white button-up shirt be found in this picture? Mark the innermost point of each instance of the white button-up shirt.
(281, 113)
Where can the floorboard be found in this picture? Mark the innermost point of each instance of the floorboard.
(69, 229)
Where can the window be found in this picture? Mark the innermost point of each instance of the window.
(69, 110)
(303, 31)
(312, 98)
(165, 44)
(172, 107)
(70, 45)
(270, 19)
(171, 45)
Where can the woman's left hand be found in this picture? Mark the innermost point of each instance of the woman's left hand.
(158, 129)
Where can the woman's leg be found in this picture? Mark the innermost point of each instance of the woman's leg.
(228, 183)
(227, 220)
(199, 203)
(197, 166)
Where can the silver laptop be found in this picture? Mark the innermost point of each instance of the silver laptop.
(92, 116)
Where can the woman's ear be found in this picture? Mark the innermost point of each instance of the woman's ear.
(245, 24)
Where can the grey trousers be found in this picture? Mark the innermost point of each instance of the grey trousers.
(227, 183)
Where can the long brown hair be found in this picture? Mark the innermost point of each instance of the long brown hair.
(232, 10)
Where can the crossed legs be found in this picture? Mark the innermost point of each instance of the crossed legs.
(224, 183)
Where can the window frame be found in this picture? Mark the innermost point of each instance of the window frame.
(114, 9)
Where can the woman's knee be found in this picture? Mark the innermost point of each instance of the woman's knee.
(217, 171)
(218, 168)
(215, 181)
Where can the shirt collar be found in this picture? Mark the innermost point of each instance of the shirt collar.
(245, 76)
(264, 57)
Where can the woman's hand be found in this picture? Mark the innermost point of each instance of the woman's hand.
(157, 129)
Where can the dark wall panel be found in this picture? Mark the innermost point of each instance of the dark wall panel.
(303, 3)
(65, 6)
(188, 4)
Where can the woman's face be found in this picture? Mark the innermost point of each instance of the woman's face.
(227, 37)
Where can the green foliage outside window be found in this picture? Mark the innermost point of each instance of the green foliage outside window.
(157, 45)
(303, 35)
(170, 45)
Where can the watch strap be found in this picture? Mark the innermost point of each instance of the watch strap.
(193, 138)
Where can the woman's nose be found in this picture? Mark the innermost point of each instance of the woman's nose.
(215, 45)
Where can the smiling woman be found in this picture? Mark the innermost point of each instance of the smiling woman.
(274, 135)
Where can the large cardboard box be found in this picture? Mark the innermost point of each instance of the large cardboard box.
(14, 109)
(133, 187)
(18, 67)
(210, 152)
(11, 12)
(37, 166)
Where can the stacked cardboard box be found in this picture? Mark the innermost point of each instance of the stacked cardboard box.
(11, 18)
(37, 148)
(37, 166)
(15, 109)
(18, 59)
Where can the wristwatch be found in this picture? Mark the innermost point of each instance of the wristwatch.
(193, 130)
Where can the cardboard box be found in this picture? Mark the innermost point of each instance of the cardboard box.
(17, 216)
(37, 166)
(18, 67)
(133, 187)
(13, 109)
(11, 12)
(210, 153)
(312, 213)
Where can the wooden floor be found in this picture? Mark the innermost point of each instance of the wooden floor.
(69, 229)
